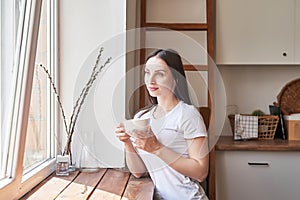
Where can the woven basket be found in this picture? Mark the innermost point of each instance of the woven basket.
(267, 125)
(289, 98)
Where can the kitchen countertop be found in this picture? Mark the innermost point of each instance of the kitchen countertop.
(226, 143)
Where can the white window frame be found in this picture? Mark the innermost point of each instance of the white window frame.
(17, 184)
(0, 87)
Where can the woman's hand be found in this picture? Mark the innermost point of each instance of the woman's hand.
(134, 162)
(146, 140)
(121, 134)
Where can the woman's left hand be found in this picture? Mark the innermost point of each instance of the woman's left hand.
(146, 140)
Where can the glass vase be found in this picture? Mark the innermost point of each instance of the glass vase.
(62, 165)
(87, 162)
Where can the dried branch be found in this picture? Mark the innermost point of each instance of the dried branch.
(83, 90)
(93, 78)
(86, 91)
(57, 96)
(79, 102)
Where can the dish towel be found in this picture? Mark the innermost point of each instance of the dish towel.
(245, 127)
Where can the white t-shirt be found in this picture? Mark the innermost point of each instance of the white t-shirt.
(181, 123)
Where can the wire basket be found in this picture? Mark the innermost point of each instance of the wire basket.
(289, 98)
(267, 125)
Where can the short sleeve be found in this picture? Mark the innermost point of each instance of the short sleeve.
(192, 123)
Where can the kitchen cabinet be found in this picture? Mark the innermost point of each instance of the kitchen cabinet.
(257, 32)
(257, 169)
(252, 175)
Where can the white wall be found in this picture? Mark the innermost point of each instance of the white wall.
(83, 25)
(254, 87)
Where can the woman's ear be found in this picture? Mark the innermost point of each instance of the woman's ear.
(175, 81)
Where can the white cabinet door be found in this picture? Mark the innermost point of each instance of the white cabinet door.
(249, 175)
(255, 32)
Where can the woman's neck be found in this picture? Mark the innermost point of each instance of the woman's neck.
(167, 104)
(164, 106)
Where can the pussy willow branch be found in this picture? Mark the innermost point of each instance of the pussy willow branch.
(86, 90)
(83, 90)
(57, 96)
(93, 78)
(79, 102)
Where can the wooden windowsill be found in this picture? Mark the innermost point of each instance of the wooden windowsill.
(104, 184)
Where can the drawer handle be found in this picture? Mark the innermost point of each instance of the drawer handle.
(258, 163)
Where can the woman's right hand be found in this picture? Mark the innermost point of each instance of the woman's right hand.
(134, 162)
(121, 134)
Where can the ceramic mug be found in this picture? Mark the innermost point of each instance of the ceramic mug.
(136, 124)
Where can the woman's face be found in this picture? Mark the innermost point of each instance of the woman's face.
(158, 78)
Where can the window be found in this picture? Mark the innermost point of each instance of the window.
(27, 143)
(37, 149)
(10, 18)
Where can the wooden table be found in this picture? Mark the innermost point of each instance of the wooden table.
(104, 184)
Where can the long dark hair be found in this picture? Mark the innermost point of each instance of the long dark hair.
(173, 60)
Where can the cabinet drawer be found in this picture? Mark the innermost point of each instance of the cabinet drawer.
(257, 175)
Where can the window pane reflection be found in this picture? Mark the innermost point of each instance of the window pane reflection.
(36, 149)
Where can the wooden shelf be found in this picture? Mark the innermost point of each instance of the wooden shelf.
(195, 67)
(177, 26)
(226, 143)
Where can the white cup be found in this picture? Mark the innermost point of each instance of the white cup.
(136, 124)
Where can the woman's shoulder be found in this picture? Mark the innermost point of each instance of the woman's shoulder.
(189, 109)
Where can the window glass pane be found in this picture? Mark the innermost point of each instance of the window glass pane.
(10, 15)
(36, 149)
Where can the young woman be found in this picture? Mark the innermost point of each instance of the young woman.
(174, 149)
